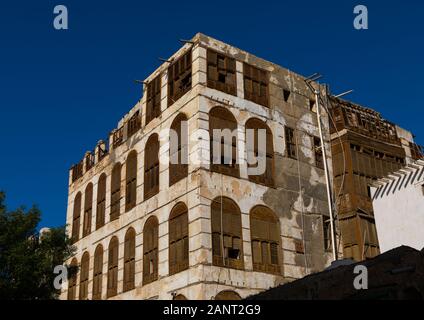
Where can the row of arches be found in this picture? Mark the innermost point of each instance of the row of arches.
(227, 248)
(220, 118)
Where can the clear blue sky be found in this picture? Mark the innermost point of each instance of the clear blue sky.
(62, 91)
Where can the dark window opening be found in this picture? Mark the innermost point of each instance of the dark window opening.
(286, 95)
(255, 84)
(153, 109)
(221, 73)
(290, 143)
(319, 159)
(179, 78)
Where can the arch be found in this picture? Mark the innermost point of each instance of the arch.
(265, 240)
(115, 192)
(84, 275)
(101, 202)
(178, 239)
(129, 260)
(150, 250)
(253, 148)
(76, 217)
(88, 209)
(98, 273)
(180, 297)
(178, 150)
(131, 181)
(72, 281)
(112, 272)
(224, 156)
(227, 239)
(151, 167)
(228, 295)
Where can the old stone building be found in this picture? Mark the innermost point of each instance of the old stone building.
(148, 229)
(365, 147)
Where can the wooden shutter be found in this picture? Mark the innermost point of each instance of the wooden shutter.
(267, 178)
(112, 277)
(265, 237)
(178, 239)
(88, 204)
(221, 119)
(150, 250)
(178, 171)
(221, 72)
(115, 192)
(76, 217)
(129, 260)
(229, 236)
(255, 84)
(153, 109)
(85, 264)
(72, 282)
(131, 181)
(179, 78)
(98, 273)
(151, 167)
(101, 202)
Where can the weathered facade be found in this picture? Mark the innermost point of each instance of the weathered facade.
(365, 147)
(147, 229)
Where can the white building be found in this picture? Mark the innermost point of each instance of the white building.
(398, 202)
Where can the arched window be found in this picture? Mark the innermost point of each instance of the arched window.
(223, 135)
(101, 202)
(88, 205)
(112, 272)
(265, 238)
(252, 127)
(150, 250)
(178, 239)
(76, 217)
(98, 273)
(179, 297)
(178, 150)
(115, 201)
(228, 295)
(129, 260)
(227, 240)
(151, 167)
(85, 267)
(72, 281)
(131, 181)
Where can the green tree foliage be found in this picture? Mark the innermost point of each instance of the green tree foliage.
(26, 261)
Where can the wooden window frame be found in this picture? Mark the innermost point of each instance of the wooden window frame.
(72, 281)
(179, 171)
(101, 201)
(112, 272)
(88, 210)
(229, 236)
(256, 84)
(221, 119)
(131, 181)
(178, 239)
(179, 77)
(265, 240)
(133, 124)
(290, 138)
(115, 192)
(150, 250)
(76, 218)
(221, 72)
(151, 167)
(153, 100)
(266, 179)
(129, 260)
(84, 276)
(98, 273)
